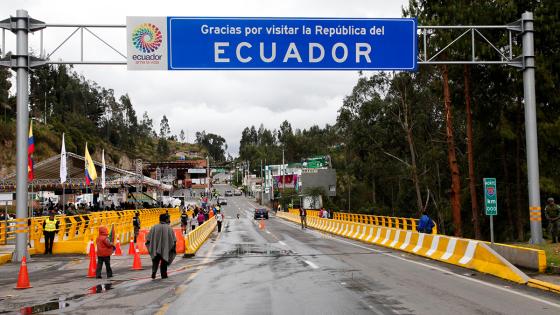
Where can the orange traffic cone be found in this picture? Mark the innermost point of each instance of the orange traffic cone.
(137, 263)
(131, 248)
(92, 262)
(118, 251)
(261, 224)
(23, 277)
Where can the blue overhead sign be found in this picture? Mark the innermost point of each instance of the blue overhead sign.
(272, 44)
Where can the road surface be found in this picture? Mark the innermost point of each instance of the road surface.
(280, 269)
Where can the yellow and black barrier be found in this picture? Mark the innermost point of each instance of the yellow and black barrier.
(75, 232)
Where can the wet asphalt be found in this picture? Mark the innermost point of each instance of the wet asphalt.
(274, 268)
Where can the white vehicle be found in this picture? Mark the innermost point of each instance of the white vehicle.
(84, 199)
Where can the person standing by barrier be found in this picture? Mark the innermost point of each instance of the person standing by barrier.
(552, 214)
(325, 214)
(192, 221)
(136, 225)
(184, 221)
(200, 218)
(161, 246)
(219, 219)
(50, 226)
(104, 251)
(425, 225)
(303, 217)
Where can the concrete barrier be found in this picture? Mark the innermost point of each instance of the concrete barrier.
(457, 251)
(534, 259)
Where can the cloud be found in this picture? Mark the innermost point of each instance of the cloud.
(222, 102)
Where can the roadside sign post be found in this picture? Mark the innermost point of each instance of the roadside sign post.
(490, 203)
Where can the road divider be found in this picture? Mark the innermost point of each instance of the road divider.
(198, 236)
(462, 252)
(379, 220)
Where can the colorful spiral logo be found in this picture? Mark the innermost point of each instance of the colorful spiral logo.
(146, 38)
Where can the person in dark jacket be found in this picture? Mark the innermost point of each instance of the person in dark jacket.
(184, 222)
(104, 251)
(161, 246)
(136, 225)
(303, 217)
(425, 225)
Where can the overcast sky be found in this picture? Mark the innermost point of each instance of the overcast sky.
(222, 102)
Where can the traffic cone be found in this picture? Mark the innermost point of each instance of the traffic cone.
(261, 224)
(118, 251)
(131, 248)
(92, 262)
(23, 277)
(137, 263)
(91, 251)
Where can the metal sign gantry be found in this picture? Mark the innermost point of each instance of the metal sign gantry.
(22, 62)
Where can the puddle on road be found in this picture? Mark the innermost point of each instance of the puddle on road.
(41, 308)
(256, 250)
(60, 303)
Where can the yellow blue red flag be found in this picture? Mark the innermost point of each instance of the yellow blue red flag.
(90, 172)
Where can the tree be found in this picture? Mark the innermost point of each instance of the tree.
(182, 135)
(214, 144)
(164, 129)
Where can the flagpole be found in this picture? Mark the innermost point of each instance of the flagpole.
(63, 199)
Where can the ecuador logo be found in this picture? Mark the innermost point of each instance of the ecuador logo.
(146, 38)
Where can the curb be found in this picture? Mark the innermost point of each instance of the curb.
(543, 285)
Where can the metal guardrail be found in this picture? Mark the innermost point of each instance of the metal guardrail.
(84, 227)
(385, 221)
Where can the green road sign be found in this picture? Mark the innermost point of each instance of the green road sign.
(490, 196)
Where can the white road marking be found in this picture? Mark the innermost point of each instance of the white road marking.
(312, 265)
(282, 243)
(434, 267)
(267, 232)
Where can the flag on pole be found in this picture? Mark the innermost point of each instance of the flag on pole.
(112, 234)
(90, 172)
(30, 150)
(103, 170)
(63, 169)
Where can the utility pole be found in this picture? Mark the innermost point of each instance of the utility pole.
(531, 127)
(262, 184)
(208, 174)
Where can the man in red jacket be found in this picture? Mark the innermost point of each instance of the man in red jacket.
(104, 252)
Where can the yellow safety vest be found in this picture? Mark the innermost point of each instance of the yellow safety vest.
(50, 226)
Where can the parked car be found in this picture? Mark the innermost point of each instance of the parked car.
(261, 214)
(237, 192)
(228, 193)
(222, 201)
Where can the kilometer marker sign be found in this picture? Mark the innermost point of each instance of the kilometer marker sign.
(490, 196)
(194, 43)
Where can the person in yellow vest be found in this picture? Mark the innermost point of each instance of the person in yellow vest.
(50, 226)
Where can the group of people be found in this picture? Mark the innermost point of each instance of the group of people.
(160, 242)
(199, 215)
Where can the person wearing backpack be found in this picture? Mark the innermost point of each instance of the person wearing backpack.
(425, 225)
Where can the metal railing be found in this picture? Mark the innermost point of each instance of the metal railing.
(379, 220)
(84, 227)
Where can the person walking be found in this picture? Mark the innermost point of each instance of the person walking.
(50, 226)
(192, 221)
(184, 221)
(303, 217)
(219, 219)
(161, 246)
(200, 218)
(136, 224)
(105, 249)
(552, 214)
(425, 224)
